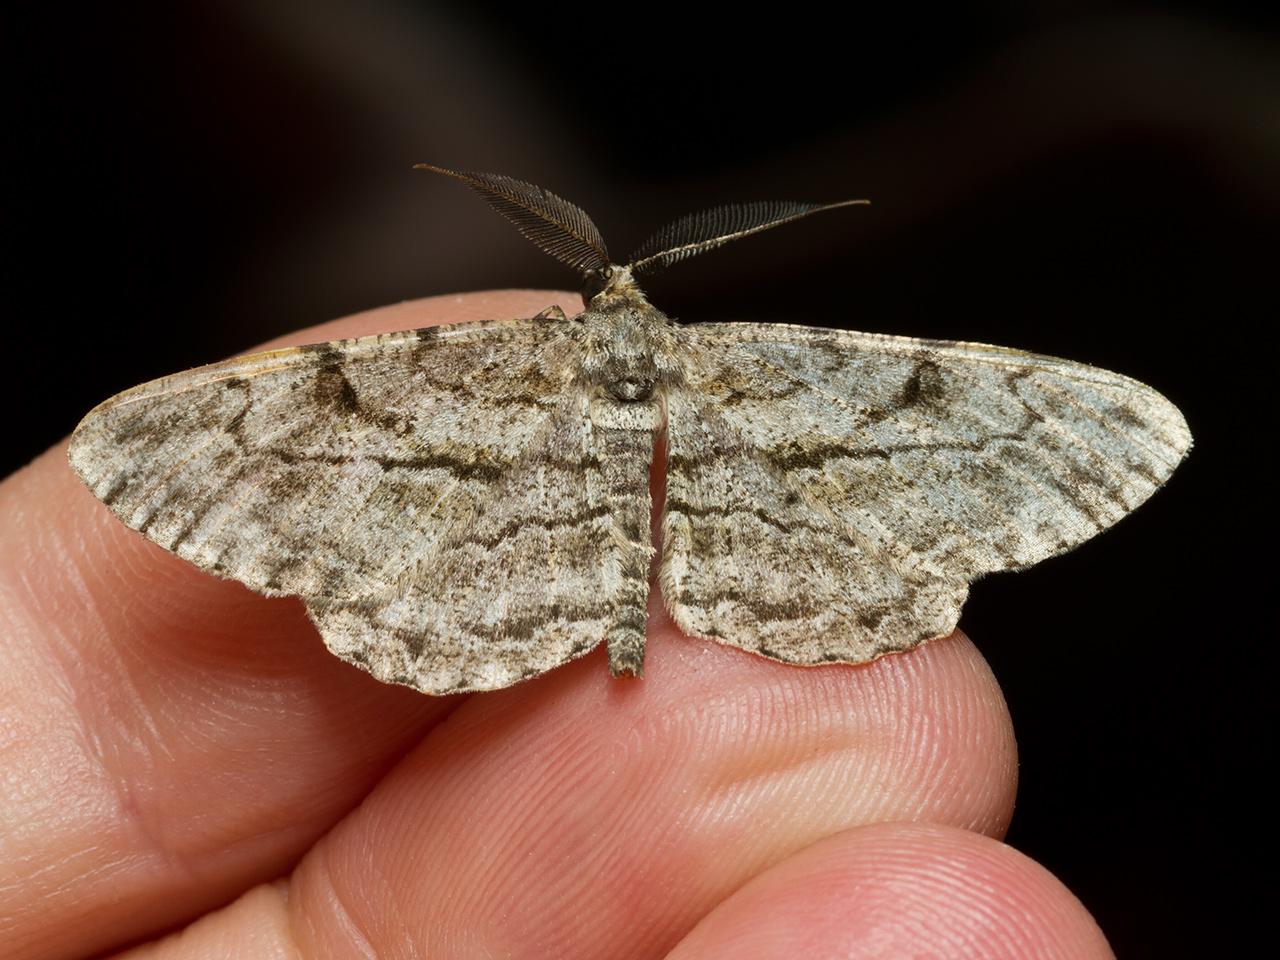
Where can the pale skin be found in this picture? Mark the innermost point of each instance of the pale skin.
(186, 772)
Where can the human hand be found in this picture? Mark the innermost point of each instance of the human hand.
(180, 754)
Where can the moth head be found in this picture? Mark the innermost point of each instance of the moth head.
(610, 282)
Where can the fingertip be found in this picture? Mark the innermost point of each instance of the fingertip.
(934, 718)
(898, 890)
(686, 784)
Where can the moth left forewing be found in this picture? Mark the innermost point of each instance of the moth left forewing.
(941, 461)
(440, 499)
(324, 471)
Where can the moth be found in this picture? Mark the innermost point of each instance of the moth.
(463, 507)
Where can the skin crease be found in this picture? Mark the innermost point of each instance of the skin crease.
(184, 770)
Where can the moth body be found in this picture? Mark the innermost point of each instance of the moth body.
(628, 359)
(464, 507)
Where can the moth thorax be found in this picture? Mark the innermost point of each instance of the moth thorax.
(631, 388)
(627, 371)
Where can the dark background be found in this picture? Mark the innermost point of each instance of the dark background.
(1092, 180)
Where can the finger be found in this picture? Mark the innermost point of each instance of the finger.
(254, 927)
(168, 738)
(900, 890)
(577, 817)
(881, 891)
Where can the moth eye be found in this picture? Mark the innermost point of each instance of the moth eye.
(595, 281)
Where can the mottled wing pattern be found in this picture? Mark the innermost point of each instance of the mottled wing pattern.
(547, 566)
(343, 472)
(851, 484)
(325, 471)
(755, 559)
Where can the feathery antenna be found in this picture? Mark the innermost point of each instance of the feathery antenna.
(554, 224)
(708, 229)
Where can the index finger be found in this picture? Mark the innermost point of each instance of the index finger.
(167, 738)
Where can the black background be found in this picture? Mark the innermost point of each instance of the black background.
(1092, 180)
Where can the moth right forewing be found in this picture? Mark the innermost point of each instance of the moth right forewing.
(961, 459)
